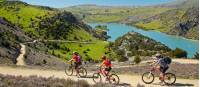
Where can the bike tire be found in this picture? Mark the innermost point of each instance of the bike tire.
(69, 70)
(171, 76)
(116, 79)
(95, 77)
(151, 76)
(82, 72)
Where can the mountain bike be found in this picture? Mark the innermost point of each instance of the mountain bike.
(112, 77)
(148, 77)
(69, 70)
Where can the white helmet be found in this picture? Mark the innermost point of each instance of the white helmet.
(158, 55)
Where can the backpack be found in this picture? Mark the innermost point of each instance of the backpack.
(167, 60)
(78, 58)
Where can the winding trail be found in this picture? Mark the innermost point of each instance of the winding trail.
(20, 58)
(125, 80)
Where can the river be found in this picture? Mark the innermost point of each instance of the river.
(116, 30)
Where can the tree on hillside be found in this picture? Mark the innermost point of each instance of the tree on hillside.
(179, 53)
(196, 56)
(137, 59)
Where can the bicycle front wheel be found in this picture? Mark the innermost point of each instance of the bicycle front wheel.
(114, 79)
(82, 72)
(148, 77)
(69, 70)
(169, 78)
(97, 78)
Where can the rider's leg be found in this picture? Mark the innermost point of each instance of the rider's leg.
(76, 68)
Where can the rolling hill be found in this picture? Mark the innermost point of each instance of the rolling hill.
(44, 23)
(181, 21)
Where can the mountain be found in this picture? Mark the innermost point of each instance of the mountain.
(45, 22)
(96, 13)
(181, 21)
(22, 22)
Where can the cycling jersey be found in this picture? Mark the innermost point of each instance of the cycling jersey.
(76, 58)
(107, 63)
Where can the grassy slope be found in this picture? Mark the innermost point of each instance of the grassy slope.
(22, 14)
(94, 50)
(164, 22)
(113, 14)
(168, 20)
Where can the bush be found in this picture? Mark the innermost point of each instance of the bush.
(137, 59)
(34, 81)
(196, 56)
(178, 53)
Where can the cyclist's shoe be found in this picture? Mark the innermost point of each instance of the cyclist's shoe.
(162, 83)
(107, 79)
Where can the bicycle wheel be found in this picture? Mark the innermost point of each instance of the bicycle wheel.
(113, 79)
(169, 78)
(69, 70)
(97, 77)
(82, 72)
(148, 77)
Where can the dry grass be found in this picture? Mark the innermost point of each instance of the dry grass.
(35, 81)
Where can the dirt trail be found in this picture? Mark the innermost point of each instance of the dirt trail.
(20, 58)
(125, 80)
(181, 61)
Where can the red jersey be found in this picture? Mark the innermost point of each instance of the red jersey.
(107, 63)
(76, 58)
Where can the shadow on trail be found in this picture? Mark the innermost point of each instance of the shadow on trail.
(181, 84)
(176, 84)
(124, 85)
(87, 77)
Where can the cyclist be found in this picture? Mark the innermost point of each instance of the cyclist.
(76, 58)
(107, 63)
(161, 65)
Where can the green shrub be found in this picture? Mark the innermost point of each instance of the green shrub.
(178, 53)
(196, 56)
(137, 59)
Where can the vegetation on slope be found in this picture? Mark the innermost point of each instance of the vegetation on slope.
(181, 21)
(135, 44)
(94, 13)
(47, 23)
(35, 81)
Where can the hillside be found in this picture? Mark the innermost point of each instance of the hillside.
(10, 39)
(45, 23)
(181, 21)
(95, 13)
(135, 44)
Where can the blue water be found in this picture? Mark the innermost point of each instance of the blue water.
(173, 42)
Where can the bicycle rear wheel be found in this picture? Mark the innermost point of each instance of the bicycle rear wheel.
(97, 78)
(169, 78)
(148, 77)
(82, 72)
(69, 70)
(114, 79)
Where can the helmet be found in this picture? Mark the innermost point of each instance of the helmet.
(103, 57)
(158, 55)
(76, 53)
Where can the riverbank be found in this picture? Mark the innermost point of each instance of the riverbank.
(117, 30)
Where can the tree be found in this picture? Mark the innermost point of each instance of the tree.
(196, 56)
(137, 59)
(178, 53)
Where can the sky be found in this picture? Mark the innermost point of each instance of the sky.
(67, 3)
